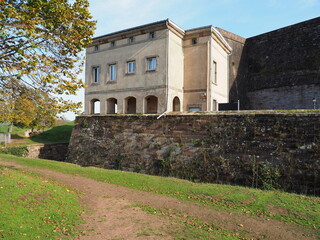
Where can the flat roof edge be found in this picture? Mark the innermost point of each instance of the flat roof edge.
(316, 19)
(132, 29)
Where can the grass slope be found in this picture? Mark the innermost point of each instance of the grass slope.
(17, 131)
(32, 207)
(286, 207)
(58, 134)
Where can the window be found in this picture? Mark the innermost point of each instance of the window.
(96, 74)
(194, 109)
(214, 105)
(152, 64)
(152, 35)
(113, 44)
(96, 48)
(131, 67)
(194, 41)
(113, 72)
(214, 71)
(131, 40)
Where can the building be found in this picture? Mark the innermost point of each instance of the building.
(157, 68)
(279, 69)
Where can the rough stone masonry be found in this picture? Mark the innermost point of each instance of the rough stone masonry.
(270, 151)
(276, 70)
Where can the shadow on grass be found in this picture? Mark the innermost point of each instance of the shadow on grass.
(59, 134)
(16, 136)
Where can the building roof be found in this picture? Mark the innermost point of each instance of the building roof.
(159, 25)
(145, 27)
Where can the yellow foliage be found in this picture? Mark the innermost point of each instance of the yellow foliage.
(42, 45)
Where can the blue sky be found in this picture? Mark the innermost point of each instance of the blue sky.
(246, 18)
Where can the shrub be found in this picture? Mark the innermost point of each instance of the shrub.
(17, 151)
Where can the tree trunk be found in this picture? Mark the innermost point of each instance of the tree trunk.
(10, 128)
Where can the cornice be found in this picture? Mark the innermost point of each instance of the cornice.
(160, 25)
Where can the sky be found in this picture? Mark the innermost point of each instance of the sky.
(246, 18)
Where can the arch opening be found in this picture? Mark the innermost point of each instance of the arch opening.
(176, 105)
(151, 104)
(95, 106)
(112, 106)
(131, 105)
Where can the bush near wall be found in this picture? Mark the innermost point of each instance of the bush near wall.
(51, 151)
(17, 151)
(269, 151)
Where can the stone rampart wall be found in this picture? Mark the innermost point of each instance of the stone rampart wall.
(259, 150)
(54, 151)
(280, 69)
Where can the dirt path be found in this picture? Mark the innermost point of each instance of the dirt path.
(111, 213)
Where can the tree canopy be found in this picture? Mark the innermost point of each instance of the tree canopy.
(41, 47)
(31, 108)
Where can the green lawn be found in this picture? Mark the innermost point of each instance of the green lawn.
(185, 227)
(286, 207)
(32, 207)
(16, 131)
(57, 134)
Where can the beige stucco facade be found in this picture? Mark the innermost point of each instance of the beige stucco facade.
(156, 68)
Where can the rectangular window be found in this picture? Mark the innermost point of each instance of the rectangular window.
(152, 35)
(96, 48)
(152, 64)
(214, 71)
(113, 44)
(194, 41)
(214, 105)
(194, 109)
(131, 67)
(131, 40)
(113, 72)
(96, 74)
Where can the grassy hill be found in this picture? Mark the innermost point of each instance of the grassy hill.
(17, 131)
(58, 134)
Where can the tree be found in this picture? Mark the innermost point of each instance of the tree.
(24, 111)
(45, 114)
(41, 47)
(8, 95)
(29, 108)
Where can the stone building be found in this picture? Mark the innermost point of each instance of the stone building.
(160, 67)
(157, 68)
(278, 69)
